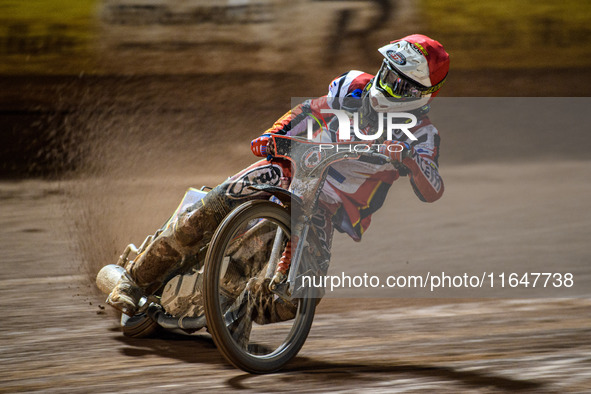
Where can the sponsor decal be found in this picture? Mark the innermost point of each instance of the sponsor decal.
(312, 158)
(396, 57)
(267, 175)
(320, 225)
(430, 172)
(419, 48)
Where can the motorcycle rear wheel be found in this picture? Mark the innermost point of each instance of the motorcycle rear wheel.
(254, 329)
(138, 326)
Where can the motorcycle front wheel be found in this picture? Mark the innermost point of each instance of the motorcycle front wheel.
(254, 329)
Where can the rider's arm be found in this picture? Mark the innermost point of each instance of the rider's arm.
(347, 86)
(423, 165)
(288, 122)
(343, 91)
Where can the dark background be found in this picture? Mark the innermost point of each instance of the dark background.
(80, 86)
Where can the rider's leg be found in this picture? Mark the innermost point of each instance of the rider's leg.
(182, 238)
(191, 231)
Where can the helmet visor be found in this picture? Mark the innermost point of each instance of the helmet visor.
(396, 85)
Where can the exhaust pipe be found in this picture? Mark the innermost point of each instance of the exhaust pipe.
(109, 276)
(167, 321)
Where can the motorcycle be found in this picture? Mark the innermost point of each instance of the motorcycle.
(258, 319)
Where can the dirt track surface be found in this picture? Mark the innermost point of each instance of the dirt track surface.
(55, 334)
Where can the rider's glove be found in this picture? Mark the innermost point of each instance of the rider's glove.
(396, 150)
(259, 145)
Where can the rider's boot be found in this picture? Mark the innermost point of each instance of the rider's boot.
(125, 296)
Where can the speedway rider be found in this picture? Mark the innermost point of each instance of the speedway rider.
(413, 70)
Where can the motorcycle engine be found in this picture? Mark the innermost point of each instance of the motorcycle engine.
(182, 295)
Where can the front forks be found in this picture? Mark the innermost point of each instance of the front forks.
(288, 283)
(293, 251)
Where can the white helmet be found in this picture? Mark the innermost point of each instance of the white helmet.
(412, 73)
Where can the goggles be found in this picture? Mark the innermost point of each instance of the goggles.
(399, 86)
